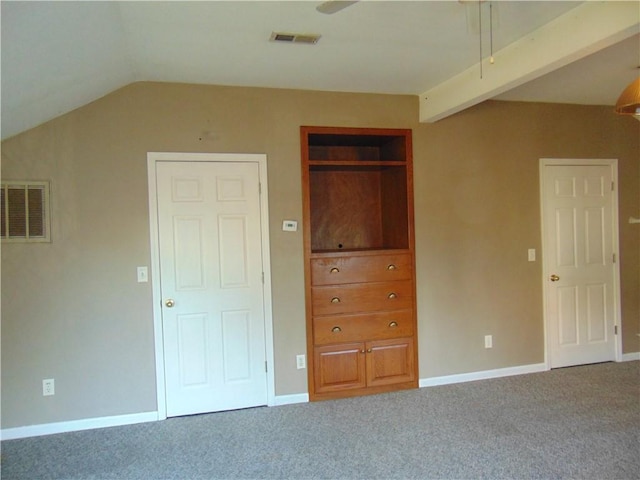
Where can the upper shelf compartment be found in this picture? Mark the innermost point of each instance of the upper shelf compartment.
(357, 189)
(355, 145)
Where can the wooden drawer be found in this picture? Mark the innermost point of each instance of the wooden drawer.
(354, 328)
(357, 269)
(362, 297)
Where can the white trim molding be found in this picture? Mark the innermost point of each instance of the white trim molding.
(279, 400)
(76, 425)
(630, 357)
(483, 375)
(291, 399)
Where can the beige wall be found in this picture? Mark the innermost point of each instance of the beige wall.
(73, 311)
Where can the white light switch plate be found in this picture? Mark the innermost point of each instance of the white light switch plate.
(532, 254)
(143, 274)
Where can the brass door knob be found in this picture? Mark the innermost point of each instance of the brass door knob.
(170, 303)
(554, 278)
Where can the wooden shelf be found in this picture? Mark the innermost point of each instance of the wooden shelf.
(357, 163)
(357, 251)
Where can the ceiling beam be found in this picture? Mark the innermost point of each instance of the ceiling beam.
(582, 31)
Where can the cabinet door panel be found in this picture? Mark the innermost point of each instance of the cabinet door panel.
(370, 326)
(339, 367)
(390, 361)
(365, 297)
(357, 269)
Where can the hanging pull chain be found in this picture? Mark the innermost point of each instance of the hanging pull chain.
(480, 28)
(491, 59)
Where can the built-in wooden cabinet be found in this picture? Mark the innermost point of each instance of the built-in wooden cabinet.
(359, 260)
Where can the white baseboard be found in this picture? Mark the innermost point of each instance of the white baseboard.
(434, 381)
(119, 420)
(115, 421)
(484, 375)
(76, 425)
(291, 399)
(629, 357)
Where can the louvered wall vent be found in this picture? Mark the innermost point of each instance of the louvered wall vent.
(308, 38)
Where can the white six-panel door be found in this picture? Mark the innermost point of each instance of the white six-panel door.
(580, 275)
(211, 279)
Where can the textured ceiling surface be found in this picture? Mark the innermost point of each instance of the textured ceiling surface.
(57, 56)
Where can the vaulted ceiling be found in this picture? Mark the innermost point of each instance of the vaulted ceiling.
(58, 56)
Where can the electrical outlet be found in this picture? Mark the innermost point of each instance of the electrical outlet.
(48, 387)
(301, 361)
(488, 341)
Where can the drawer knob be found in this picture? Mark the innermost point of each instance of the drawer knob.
(393, 324)
(391, 266)
(392, 295)
(335, 300)
(369, 350)
(362, 351)
(336, 329)
(334, 270)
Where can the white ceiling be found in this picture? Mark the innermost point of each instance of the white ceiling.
(58, 56)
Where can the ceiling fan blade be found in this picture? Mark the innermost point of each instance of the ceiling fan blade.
(333, 6)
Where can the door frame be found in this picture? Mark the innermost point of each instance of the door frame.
(612, 163)
(154, 275)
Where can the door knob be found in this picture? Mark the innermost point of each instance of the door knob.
(554, 278)
(170, 303)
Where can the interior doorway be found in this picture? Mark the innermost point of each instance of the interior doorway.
(580, 261)
(210, 279)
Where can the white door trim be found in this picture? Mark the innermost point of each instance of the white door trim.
(261, 160)
(617, 312)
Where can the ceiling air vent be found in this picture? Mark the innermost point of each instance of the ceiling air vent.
(308, 38)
